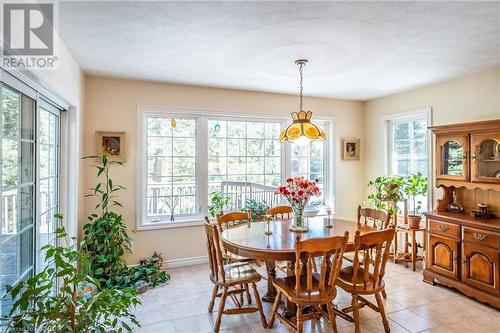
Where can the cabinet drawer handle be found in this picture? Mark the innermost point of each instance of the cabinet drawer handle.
(479, 236)
(443, 228)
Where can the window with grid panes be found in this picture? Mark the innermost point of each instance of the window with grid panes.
(308, 161)
(171, 167)
(409, 148)
(182, 165)
(244, 160)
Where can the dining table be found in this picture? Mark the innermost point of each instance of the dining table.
(250, 240)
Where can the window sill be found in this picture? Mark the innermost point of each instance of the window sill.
(198, 221)
(192, 222)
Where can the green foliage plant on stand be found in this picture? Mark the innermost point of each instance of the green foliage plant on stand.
(387, 191)
(106, 239)
(257, 208)
(415, 186)
(74, 306)
(218, 202)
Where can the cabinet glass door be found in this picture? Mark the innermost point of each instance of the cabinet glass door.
(486, 158)
(452, 158)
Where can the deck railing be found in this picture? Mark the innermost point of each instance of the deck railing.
(181, 198)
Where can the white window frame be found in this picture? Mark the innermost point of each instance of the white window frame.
(202, 116)
(408, 116)
(43, 98)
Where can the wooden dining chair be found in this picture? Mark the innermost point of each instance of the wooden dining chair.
(280, 212)
(232, 280)
(374, 218)
(378, 219)
(309, 288)
(366, 274)
(233, 220)
(229, 258)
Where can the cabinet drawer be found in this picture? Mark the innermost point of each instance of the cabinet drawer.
(443, 228)
(485, 238)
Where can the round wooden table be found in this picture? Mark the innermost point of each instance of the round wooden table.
(250, 240)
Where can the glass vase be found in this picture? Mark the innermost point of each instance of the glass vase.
(298, 221)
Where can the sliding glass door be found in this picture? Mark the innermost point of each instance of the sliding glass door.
(29, 178)
(48, 176)
(17, 187)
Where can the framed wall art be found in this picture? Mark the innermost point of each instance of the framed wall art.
(111, 144)
(351, 149)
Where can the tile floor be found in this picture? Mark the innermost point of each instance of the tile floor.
(412, 306)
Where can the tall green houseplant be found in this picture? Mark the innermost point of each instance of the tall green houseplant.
(78, 304)
(106, 239)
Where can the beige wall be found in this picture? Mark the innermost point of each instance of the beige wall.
(111, 104)
(470, 98)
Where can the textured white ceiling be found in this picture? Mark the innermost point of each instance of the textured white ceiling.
(357, 50)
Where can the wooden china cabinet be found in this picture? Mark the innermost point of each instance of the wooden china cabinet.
(463, 251)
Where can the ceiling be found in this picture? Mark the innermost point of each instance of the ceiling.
(356, 50)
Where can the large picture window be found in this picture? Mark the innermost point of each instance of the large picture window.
(171, 167)
(184, 158)
(244, 160)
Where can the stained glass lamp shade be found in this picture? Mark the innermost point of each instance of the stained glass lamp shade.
(302, 128)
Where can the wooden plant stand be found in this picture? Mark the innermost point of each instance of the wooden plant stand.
(408, 256)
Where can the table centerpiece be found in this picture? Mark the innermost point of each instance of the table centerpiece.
(298, 191)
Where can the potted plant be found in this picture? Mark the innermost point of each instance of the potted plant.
(415, 185)
(298, 191)
(256, 208)
(218, 202)
(106, 239)
(387, 192)
(76, 303)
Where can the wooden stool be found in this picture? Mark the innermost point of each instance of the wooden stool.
(407, 256)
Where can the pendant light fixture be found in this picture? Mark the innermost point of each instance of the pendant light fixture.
(302, 131)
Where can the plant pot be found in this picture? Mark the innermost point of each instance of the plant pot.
(414, 221)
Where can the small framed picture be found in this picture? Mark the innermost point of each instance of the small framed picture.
(111, 144)
(351, 149)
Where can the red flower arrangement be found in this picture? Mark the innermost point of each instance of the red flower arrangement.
(299, 190)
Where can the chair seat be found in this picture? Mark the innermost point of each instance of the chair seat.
(238, 273)
(345, 278)
(287, 286)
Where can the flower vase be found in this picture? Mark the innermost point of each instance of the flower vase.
(298, 221)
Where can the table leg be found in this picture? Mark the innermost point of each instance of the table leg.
(271, 275)
(413, 250)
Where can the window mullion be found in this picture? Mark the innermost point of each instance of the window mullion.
(202, 164)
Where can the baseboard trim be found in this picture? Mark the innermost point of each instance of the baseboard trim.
(175, 263)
